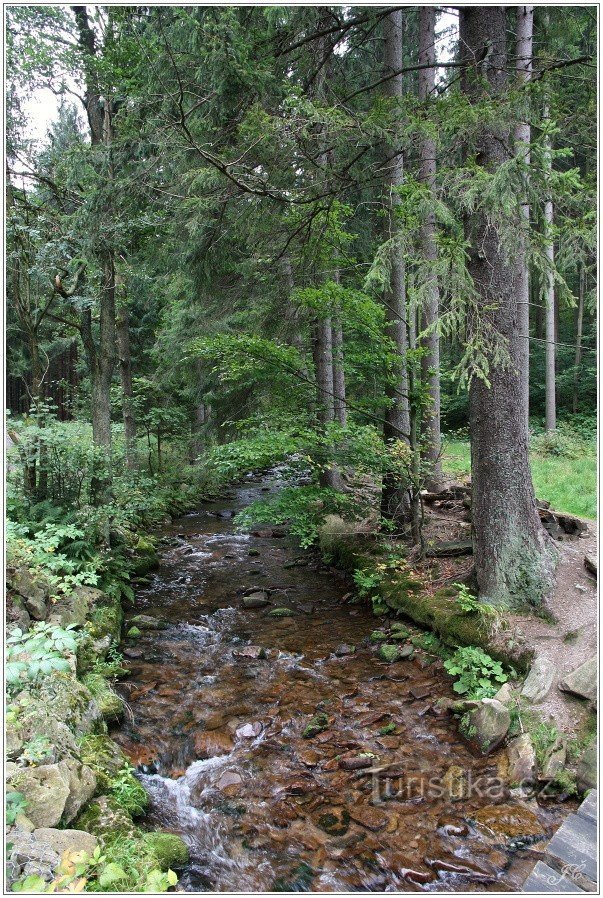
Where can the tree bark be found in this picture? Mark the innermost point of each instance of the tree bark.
(513, 556)
(397, 417)
(430, 361)
(579, 325)
(101, 358)
(122, 328)
(395, 496)
(523, 68)
(549, 297)
(323, 363)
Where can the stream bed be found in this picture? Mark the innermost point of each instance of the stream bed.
(386, 798)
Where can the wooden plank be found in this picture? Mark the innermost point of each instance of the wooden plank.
(574, 848)
(588, 808)
(544, 879)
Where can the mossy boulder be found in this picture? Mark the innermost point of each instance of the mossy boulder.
(104, 757)
(54, 793)
(281, 612)
(170, 850)
(133, 633)
(318, 723)
(145, 558)
(71, 702)
(106, 619)
(110, 705)
(104, 818)
(389, 653)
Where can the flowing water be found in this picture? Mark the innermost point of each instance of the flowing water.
(217, 733)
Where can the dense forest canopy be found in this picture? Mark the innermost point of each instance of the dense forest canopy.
(325, 276)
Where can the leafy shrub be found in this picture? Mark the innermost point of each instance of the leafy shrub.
(79, 871)
(304, 508)
(37, 653)
(15, 804)
(128, 792)
(479, 675)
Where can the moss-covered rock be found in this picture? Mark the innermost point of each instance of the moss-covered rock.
(104, 757)
(104, 818)
(401, 592)
(106, 620)
(110, 704)
(170, 850)
(145, 558)
(133, 633)
(389, 653)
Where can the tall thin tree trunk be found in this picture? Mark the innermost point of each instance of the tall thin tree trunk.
(395, 501)
(339, 401)
(430, 361)
(549, 297)
(513, 555)
(101, 358)
(523, 67)
(323, 363)
(122, 328)
(579, 325)
(397, 419)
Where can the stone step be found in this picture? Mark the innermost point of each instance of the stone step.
(588, 808)
(544, 879)
(573, 849)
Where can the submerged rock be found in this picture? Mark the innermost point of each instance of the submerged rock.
(509, 823)
(146, 622)
(281, 612)
(318, 723)
(212, 744)
(257, 599)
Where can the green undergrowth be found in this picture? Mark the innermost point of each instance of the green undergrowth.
(395, 589)
(564, 471)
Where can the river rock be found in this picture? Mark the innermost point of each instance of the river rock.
(509, 823)
(587, 770)
(522, 760)
(539, 681)
(369, 817)
(229, 782)
(146, 622)
(249, 730)
(389, 653)
(61, 840)
(583, 680)
(504, 694)
(487, 725)
(554, 762)
(75, 607)
(254, 652)
(344, 649)
(281, 612)
(258, 599)
(82, 784)
(212, 744)
(455, 783)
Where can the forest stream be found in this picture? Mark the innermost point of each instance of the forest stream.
(216, 729)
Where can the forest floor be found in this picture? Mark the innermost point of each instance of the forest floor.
(567, 639)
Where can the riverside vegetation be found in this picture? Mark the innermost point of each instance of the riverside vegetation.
(356, 247)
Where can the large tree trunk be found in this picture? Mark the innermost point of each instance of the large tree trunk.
(513, 556)
(523, 67)
(395, 502)
(579, 325)
(431, 359)
(549, 300)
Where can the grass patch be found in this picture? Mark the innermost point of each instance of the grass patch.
(569, 484)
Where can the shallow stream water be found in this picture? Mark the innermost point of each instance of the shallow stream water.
(217, 734)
